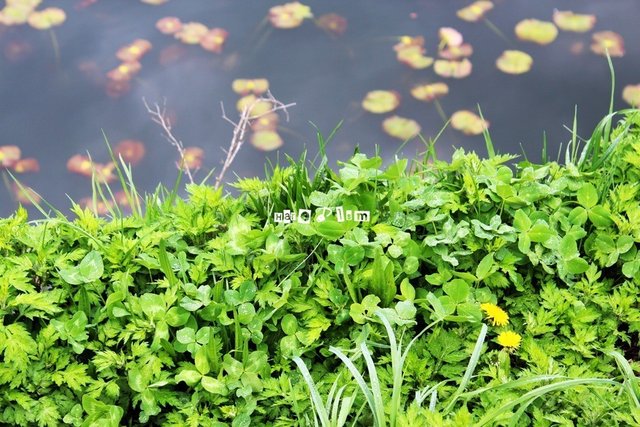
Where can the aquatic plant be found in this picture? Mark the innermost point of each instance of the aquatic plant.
(468, 122)
(401, 127)
(567, 20)
(536, 31)
(381, 101)
(514, 62)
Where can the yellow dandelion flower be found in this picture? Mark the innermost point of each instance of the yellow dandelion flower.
(498, 316)
(509, 339)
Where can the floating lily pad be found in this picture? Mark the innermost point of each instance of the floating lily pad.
(381, 101)
(9, 155)
(289, 15)
(475, 11)
(214, 39)
(468, 122)
(154, 2)
(25, 195)
(413, 56)
(124, 71)
(47, 18)
(604, 41)
(134, 51)
(536, 31)
(514, 62)
(26, 165)
(456, 52)
(408, 41)
(455, 69)
(130, 150)
(80, 164)
(429, 92)
(15, 14)
(169, 25)
(566, 20)
(192, 159)
(257, 107)
(400, 127)
(332, 23)
(266, 122)
(192, 32)
(631, 94)
(450, 37)
(247, 86)
(266, 140)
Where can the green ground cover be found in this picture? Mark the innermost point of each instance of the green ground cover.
(478, 294)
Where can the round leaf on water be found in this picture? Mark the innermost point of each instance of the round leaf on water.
(413, 56)
(607, 41)
(534, 30)
(455, 69)
(381, 101)
(400, 127)
(429, 92)
(289, 15)
(468, 122)
(191, 32)
(566, 20)
(450, 36)
(47, 18)
(475, 11)
(514, 62)
(266, 140)
(631, 95)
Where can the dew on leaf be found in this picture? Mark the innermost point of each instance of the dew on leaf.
(468, 122)
(289, 15)
(631, 95)
(130, 150)
(247, 86)
(381, 101)
(536, 31)
(514, 62)
(332, 23)
(566, 20)
(169, 25)
(429, 92)
(266, 140)
(604, 41)
(400, 127)
(455, 69)
(475, 11)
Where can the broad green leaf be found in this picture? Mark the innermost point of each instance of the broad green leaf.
(153, 305)
(457, 289)
(587, 196)
(485, 266)
(190, 376)
(214, 386)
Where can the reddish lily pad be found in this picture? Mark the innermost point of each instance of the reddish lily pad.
(257, 106)
(450, 37)
(169, 25)
(154, 2)
(455, 69)
(192, 32)
(124, 71)
(475, 11)
(413, 56)
(381, 101)
(610, 41)
(130, 150)
(266, 122)
(289, 15)
(192, 159)
(266, 140)
(247, 86)
(631, 94)
(27, 165)
(429, 92)
(566, 20)
(408, 41)
(468, 122)
(134, 51)
(332, 23)
(9, 155)
(47, 18)
(214, 39)
(400, 127)
(514, 62)
(26, 195)
(457, 52)
(536, 31)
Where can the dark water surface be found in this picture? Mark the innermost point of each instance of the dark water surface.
(54, 109)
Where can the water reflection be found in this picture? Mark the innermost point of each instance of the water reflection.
(55, 102)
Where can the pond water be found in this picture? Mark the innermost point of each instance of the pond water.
(55, 101)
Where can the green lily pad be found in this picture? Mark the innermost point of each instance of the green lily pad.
(400, 127)
(47, 18)
(475, 11)
(533, 30)
(610, 41)
(455, 69)
(566, 20)
(468, 122)
(413, 56)
(429, 92)
(381, 101)
(266, 140)
(514, 62)
(631, 94)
